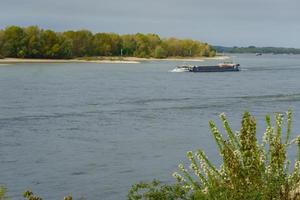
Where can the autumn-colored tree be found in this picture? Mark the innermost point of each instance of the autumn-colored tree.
(81, 42)
(33, 42)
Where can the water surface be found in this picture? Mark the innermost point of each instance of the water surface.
(92, 130)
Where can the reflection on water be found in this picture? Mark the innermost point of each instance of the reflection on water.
(92, 130)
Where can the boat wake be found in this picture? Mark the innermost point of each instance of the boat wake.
(178, 70)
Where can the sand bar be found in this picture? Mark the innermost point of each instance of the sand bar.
(108, 60)
(25, 60)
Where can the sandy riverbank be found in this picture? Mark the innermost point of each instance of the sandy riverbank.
(116, 60)
(26, 60)
(196, 59)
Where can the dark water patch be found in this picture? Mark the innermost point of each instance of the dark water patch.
(78, 173)
(80, 138)
(162, 108)
(11, 144)
(157, 100)
(272, 97)
(196, 107)
(104, 165)
(42, 117)
(272, 68)
(36, 182)
(40, 160)
(73, 129)
(126, 171)
(8, 161)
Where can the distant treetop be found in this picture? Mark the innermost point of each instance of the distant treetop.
(253, 49)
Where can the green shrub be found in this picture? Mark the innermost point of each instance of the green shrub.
(250, 170)
(28, 195)
(156, 191)
(3, 193)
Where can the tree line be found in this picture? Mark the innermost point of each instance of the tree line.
(254, 49)
(34, 42)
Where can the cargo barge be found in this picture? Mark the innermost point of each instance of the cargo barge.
(222, 67)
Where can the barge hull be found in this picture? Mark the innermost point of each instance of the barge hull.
(213, 69)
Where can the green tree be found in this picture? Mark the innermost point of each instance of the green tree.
(142, 46)
(116, 44)
(49, 41)
(65, 48)
(102, 45)
(55, 45)
(14, 42)
(128, 45)
(33, 42)
(160, 52)
(1, 43)
(154, 41)
(81, 42)
(172, 46)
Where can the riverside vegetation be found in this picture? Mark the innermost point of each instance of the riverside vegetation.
(250, 170)
(33, 42)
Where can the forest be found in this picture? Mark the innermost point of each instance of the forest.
(34, 42)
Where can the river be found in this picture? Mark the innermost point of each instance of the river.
(92, 130)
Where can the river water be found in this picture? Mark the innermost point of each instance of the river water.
(92, 130)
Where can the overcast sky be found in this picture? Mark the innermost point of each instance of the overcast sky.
(219, 22)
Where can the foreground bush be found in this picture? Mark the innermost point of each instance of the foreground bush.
(28, 195)
(250, 170)
(3, 193)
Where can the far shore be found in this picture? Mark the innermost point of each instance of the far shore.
(107, 60)
(32, 60)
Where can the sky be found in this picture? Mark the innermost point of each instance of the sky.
(218, 22)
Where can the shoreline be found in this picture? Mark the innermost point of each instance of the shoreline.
(107, 60)
(33, 60)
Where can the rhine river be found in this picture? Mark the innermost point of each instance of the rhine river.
(92, 130)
